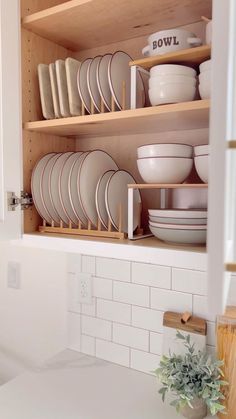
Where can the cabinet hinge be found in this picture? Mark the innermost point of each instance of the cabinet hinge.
(25, 201)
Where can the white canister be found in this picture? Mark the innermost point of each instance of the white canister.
(171, 40)
(209, 33)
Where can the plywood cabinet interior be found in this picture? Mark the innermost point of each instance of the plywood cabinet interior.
(45, 43)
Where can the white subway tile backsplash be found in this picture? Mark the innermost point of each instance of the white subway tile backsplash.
(193, 282)
(102, 288)
(111, 310)
(89, 309)
(96, 327)
(156, 343)
(151, 275)
(131, 294)
(74, 331)
(144, 361)
(87, 345)
(200, 308)
(147, 319)
(119, 270)
(165, 300)
(211, 333)
(131, 336)
(112, 352)
(88, 264)
(73, 263)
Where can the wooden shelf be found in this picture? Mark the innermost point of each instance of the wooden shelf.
(230, 267)
(193, 56)
(232, 144)
(167, 185)
(82, 24)
(180, 116)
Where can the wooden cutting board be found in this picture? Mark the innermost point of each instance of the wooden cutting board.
(187, 325)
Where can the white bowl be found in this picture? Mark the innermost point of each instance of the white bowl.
(181, 221)
(205, 66)
(172, 93)
(164, 169)
(178, 213)
(205, 77)
(165, 150)
(201, 150)
(180, 234)
(165, 69)
(155, 81)
(209, 33)
(201, 164)
(205, 90)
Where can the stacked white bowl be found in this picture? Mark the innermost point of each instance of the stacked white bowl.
(205, 80)
(171, 83)
(179, 226)
(165, 163)
(201, 154)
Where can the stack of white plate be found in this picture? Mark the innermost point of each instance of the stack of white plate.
(165, 163)
(171, 83)
(201, 153)
(82, 188)
(205, 80)
(179, 226)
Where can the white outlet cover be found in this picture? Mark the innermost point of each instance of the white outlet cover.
(84, 288)
(14, 275)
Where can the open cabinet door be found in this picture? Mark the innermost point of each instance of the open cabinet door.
(10, 117)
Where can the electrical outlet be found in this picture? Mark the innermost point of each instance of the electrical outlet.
(13, 275)
(84, 288)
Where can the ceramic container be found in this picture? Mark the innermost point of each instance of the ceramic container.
(180, 234)
(205, 66)
(157, 80)
(170, 69)
(170, 40)
(201, 150)
(167, 150)
(172, 93)
(199, 410)
(209, 33)
(201, 164)
(164, 169)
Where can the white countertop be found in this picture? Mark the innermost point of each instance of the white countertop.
(75, 386)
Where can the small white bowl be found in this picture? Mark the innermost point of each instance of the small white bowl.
(172, 93)
(181, 221)
(164, 169)
(201, 150)
(178, 213)
(205, 90)
(155, 81)
(165, 69)
(167, 150)
(205, 77)
(180, 236)
(205, 66)
(201, 164)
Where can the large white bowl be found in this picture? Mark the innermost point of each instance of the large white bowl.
(205, 90)
(164, 169)
(201, 150)
(176, 69)
(155, 81)
(205, 77)
(201, 164)
(166, 150)
(181, 221)
(172, 93)
(180, 234)
(178, 213)
(205, 66)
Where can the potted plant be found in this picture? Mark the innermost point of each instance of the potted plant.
(195, 379)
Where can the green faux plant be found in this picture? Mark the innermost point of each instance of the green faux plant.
(192, 375)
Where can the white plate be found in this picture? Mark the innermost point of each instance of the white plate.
(54, 87)
(82, 84)
(180, 236)
(102, 80)
(72, 67)
(62, 88)
(46, 194)
(45, 91)
(178, 213)
(100, 197)
(178, 226)
(73, 190)
(182, 221)
(93, 166)
(116, 195)
(36, 187)
(119, 72)
(64, 187)
(92, 83)
(54, 186)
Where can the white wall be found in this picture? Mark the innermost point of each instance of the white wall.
(33, 319)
